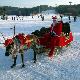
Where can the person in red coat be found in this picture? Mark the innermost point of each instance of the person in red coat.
(55, 32)
(56, 27)
(52, 26)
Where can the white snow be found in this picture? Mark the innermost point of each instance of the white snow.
(65, 66)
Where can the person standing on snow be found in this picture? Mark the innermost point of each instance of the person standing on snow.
(75, 18)
(61, 17)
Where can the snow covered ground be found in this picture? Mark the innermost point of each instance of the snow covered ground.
(65, 66)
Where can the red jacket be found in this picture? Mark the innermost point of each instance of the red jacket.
(57, 28)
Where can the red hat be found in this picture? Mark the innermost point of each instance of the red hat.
(54, 17)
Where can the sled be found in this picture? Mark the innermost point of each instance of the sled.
(62, 38)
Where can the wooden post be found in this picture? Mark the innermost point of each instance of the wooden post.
(14, 30)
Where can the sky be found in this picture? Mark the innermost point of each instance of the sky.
(33, 3)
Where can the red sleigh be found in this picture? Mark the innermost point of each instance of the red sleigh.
(59, 40)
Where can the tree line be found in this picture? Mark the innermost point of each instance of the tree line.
(73, 10)
(8, 10)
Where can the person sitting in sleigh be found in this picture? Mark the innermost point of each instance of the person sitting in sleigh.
(56, 27)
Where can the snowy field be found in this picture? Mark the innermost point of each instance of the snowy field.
(65, 66)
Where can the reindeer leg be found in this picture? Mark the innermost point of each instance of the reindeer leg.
(34, 56)
(14, 62)
(22, 57)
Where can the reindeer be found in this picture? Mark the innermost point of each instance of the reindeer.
(15, 46)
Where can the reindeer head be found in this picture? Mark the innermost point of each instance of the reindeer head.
(8, 50)
(8, 44)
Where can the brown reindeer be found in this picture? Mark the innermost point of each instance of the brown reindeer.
(15, 46)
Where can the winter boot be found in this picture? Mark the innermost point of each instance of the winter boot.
(34, 57)
(23, 65)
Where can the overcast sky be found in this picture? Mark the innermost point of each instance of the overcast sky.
(33, 3)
